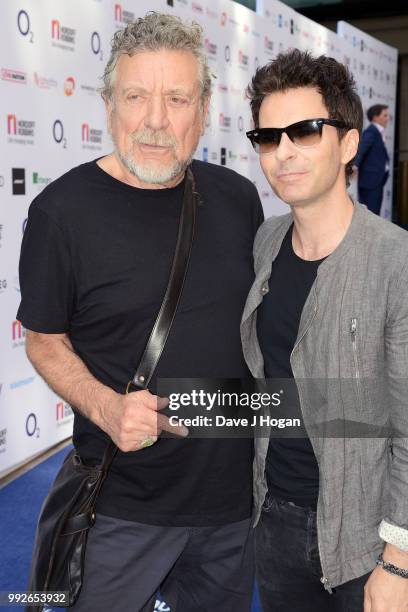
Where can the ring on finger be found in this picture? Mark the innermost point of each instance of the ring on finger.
(149, 441)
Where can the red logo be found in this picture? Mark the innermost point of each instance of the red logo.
(11, 124)
(69, 86)
(118, 12)
(85, 132)
(59, 408)
(55, 28)
(17, 330)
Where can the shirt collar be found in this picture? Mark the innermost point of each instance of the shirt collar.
(378, 126)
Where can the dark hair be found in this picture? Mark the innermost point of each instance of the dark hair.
(375, 110)
(332, 79)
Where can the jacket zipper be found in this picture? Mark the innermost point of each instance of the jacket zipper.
(353, 332)
(323, 579)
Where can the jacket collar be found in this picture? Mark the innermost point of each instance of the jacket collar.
(353, 233)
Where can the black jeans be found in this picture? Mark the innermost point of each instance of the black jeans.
(288, 564)
(196, 569)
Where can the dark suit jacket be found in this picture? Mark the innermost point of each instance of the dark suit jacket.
(371, 159)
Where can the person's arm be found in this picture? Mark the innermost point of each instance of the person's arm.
(127, 419)
(384, 591)
(48, 297)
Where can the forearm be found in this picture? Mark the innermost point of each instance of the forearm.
(64, 371)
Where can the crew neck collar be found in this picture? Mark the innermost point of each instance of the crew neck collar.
(154, 193)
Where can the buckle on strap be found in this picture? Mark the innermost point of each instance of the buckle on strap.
(130, 387)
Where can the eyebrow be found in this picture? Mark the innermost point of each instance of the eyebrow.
(142, 90)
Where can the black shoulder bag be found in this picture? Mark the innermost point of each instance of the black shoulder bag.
(68, 511)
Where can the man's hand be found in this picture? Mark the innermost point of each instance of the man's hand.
(385, 592)
(130, 420)
(134, 417)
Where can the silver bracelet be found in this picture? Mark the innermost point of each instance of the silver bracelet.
(392, 569)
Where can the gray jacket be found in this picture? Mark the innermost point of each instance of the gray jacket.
(353, 344)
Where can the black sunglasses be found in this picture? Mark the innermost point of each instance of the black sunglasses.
(304, 134)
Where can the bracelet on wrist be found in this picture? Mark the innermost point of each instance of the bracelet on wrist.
(391, 568)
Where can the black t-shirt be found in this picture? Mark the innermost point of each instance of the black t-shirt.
(95, 262)
(292, 471)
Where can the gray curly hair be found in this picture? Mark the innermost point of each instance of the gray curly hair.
(153, 32)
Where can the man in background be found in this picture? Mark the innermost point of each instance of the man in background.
(372, 161)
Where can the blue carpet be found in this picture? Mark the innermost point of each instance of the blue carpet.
(20, 503)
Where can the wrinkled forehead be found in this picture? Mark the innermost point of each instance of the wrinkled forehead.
(162, 70)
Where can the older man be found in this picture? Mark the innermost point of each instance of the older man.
(95, 260)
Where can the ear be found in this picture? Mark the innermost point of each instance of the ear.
(349, 145)
(206, 106)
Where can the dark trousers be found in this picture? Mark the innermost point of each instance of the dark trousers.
(372, 198)
(200, 569)
(288, 565)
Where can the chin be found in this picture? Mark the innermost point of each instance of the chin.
(292, 195)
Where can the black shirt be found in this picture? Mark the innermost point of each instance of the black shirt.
(95, 262)
(292, 471)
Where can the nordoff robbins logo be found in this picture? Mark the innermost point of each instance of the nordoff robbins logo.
(20, 127)
(225, 122)
(91, 134)
(210, 47)
(91, 137)
(62, 36)
(243, 59)
(122, 15)
(268, 44)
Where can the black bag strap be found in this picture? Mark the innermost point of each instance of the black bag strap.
(167, 312)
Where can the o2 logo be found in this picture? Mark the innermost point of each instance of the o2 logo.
(24, 25)
(58, 133)
(32, 428)
(96, 45)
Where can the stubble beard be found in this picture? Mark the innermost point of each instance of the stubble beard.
(153, 173)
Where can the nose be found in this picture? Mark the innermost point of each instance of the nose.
(156, 114)
(286, 149)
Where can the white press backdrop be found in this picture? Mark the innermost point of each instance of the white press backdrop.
(52, 118)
